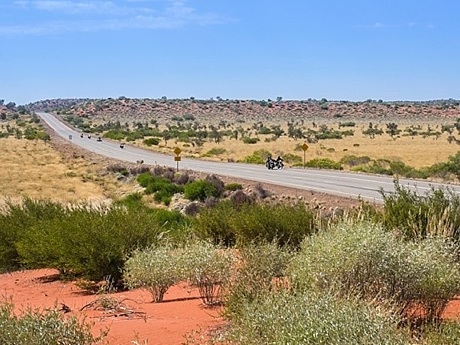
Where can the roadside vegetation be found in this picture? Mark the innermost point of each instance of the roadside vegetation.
(376, 275)
(282, 272)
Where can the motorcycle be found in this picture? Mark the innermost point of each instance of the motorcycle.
(274, 163)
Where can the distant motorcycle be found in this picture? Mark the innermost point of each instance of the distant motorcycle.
(274, 163)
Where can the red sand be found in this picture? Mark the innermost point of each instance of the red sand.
(136, 320)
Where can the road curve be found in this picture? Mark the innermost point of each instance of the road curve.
(345, 184)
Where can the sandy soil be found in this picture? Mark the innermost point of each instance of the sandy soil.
(134, 320)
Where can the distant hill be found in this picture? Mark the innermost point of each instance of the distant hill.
(213, 110)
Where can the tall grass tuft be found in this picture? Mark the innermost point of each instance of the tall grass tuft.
(436, 214)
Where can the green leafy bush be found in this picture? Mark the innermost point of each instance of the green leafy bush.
(15, 219)
(323, 163)
(214, 224)
(215, 152)
(200, 190)
(280, 223)
(257, 157)
(233, 186)
(249, 140)
(151, 141)
(89, 243)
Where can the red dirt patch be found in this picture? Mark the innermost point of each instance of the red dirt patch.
(133, 318)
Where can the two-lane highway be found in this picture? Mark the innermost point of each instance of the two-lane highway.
(339, 183)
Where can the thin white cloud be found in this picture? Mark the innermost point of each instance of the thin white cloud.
(379, 25)
(84, 16)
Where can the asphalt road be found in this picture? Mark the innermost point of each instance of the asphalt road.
(340, 183)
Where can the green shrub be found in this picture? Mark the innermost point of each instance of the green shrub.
(200, 190)
(209, 268)
(15, 219)
(233, 186)
(162, 188)
(292, 159)
(380, 166)
(115, 135)
(453, 164)
(145, 179)
(155, 269)
(419, 216)
(312, 318)
(151, 141)
(280, 223)
(323, 163)
(214, 224)
(132, 200)
(446, 334)
(257, 157)
(352, 160)
(89, 243)
(249, 140)
(42, 328)
(215, 152)
(261, 269)
(363, 260)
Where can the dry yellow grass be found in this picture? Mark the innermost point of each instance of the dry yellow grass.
(34, 169)
(414, 151)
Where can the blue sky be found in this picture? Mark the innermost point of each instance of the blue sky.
(236, 49)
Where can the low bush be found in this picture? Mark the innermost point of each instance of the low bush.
(209, 268)
(415, 216)
(446, 334)
(261, 269)
(292, 159)
(229, 224)
(15, 219)
(323, 163)
(417, 278)
(279, 223)
(215, 152)
(92, 243)
(214, 224)
(312, 318)
(42, 328)
(249, 140)
(257, 157)
(152, 141)
(155, 269)
(352, 160)
(201, 190)
(233, 186)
